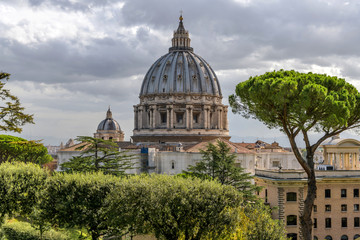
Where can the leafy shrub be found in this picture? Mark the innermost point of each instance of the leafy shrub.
(24, 231)
(77, 200)
(20, 185)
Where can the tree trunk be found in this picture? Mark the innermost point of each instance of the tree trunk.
(305, 217)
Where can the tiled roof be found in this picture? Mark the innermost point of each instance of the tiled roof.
(77, 147)
(233, 148)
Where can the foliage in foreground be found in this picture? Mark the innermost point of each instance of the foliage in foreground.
(20, 185)
(99, 155)
(173, 207)
(18, 149)
(110, 207)
(218, 164)
(24, 231)
(256, 223)
(76, 200)
(297, 104)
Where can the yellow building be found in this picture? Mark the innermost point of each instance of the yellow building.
(336, 212)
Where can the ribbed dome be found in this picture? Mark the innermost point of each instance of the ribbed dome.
(109, 123)
(181, 70)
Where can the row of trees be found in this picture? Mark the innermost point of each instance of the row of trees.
(108, 206)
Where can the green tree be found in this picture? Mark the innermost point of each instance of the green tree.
(77, 200)
(99, 155)
(260, 225)
(218, 163)
(20, 185)
(18, 149)
(173, 207)
(12, 115)
(298, 104)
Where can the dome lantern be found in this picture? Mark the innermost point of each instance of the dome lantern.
(181, 39)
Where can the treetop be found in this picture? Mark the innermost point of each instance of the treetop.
(298, 100)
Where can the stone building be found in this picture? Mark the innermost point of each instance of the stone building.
(180, 98)
(343, 154)
(336, 212)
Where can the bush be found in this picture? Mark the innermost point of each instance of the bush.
(20, 185)
(24, 231)
(172, 207)
(76, 200)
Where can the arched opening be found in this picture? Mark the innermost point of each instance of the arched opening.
(357, 237)
(344, 237)
(328, 237)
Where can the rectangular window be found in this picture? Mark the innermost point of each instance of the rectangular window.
(315, 208)
(179, 117)
(195, 117)
(356, 222)
(356, 207)
(291, 197)
(327, 222)
(343, 193)
(315, 222)
(327, 208)
(163, 117)
(275, 163)
(344, 222)
(356, 193)
(291, 220)
(327, 193)
(343, 207)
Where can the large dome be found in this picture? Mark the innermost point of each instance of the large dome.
(180, 71)
(180, 98)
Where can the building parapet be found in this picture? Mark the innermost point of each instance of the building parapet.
(300, 174)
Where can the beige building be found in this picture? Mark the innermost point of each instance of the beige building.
(336, 212)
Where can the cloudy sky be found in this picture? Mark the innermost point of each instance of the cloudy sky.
(70, 59)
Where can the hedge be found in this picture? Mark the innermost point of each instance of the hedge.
(24, 231)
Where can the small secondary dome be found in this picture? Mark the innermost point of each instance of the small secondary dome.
(109, 129)
(109, 123)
